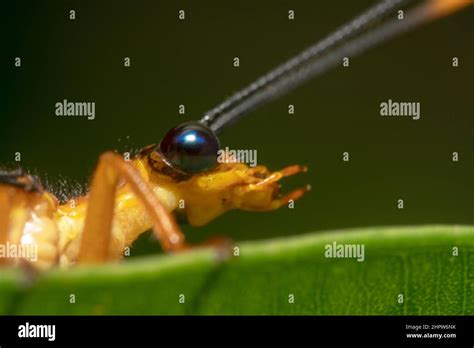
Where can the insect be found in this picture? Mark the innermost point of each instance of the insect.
(127, 198)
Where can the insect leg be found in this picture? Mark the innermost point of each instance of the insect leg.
(96, 238)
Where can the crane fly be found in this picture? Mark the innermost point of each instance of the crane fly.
(127, 198)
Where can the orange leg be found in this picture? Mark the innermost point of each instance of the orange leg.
(96, 238)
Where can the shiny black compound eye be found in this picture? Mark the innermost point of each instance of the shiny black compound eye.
(191, 147)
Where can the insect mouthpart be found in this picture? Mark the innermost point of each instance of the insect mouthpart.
(190, 147)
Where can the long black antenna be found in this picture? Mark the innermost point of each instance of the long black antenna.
(319, 58)
(348, 30)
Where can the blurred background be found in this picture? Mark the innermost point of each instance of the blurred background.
(190, 62)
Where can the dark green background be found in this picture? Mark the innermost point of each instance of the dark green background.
(190, 62)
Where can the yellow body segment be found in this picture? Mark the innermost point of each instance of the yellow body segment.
(28, 231)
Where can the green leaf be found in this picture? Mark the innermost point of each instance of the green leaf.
(416, 262)
(10, 290)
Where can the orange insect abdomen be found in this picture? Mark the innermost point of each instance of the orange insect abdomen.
(28, 232)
